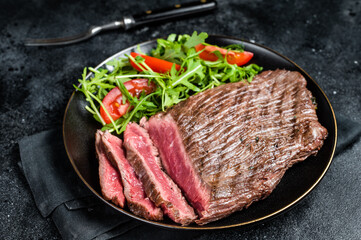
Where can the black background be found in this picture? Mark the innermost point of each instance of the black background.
(323, 37)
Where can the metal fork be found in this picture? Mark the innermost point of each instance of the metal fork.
(127, 22)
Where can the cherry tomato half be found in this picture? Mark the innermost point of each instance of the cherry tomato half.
(233, 57)
(156, 64)
(113, 101)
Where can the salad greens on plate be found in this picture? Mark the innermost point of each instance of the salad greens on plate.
(140, 85)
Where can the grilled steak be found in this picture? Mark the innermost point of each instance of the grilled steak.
(143, 156)
(110, 181)
(137, 201)
(230, 146)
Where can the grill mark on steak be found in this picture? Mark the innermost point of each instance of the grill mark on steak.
(262, 114)
(159, 187)
(109, 178)
(137, 201)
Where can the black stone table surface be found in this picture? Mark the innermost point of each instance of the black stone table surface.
(323, 37)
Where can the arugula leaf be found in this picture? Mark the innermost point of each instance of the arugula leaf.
(195, 39)
(236, 47)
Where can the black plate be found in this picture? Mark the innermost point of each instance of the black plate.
(79, 128)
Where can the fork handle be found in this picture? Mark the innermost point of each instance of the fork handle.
(170, 13)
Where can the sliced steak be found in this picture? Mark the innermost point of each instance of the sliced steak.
(110, 180)
(159, 187)
(137, 200)
(238, 140)
(166, 137)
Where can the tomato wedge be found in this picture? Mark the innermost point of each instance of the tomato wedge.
(156, 64)
(233, 57)
(113, 101)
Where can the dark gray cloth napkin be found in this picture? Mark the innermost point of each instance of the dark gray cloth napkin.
(78, 214)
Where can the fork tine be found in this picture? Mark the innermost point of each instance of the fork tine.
(58, 41)
(75, 38)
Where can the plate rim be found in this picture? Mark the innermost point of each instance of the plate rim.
(204, 227)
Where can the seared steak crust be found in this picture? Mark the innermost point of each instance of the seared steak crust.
(241, 138)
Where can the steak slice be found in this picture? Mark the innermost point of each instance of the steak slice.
(159, 187)
(166, 137)
(110, 180)
(137, 201)
(239, 138)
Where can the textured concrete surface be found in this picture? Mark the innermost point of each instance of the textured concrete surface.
(323, 37)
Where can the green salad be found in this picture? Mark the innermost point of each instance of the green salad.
(141, 85)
